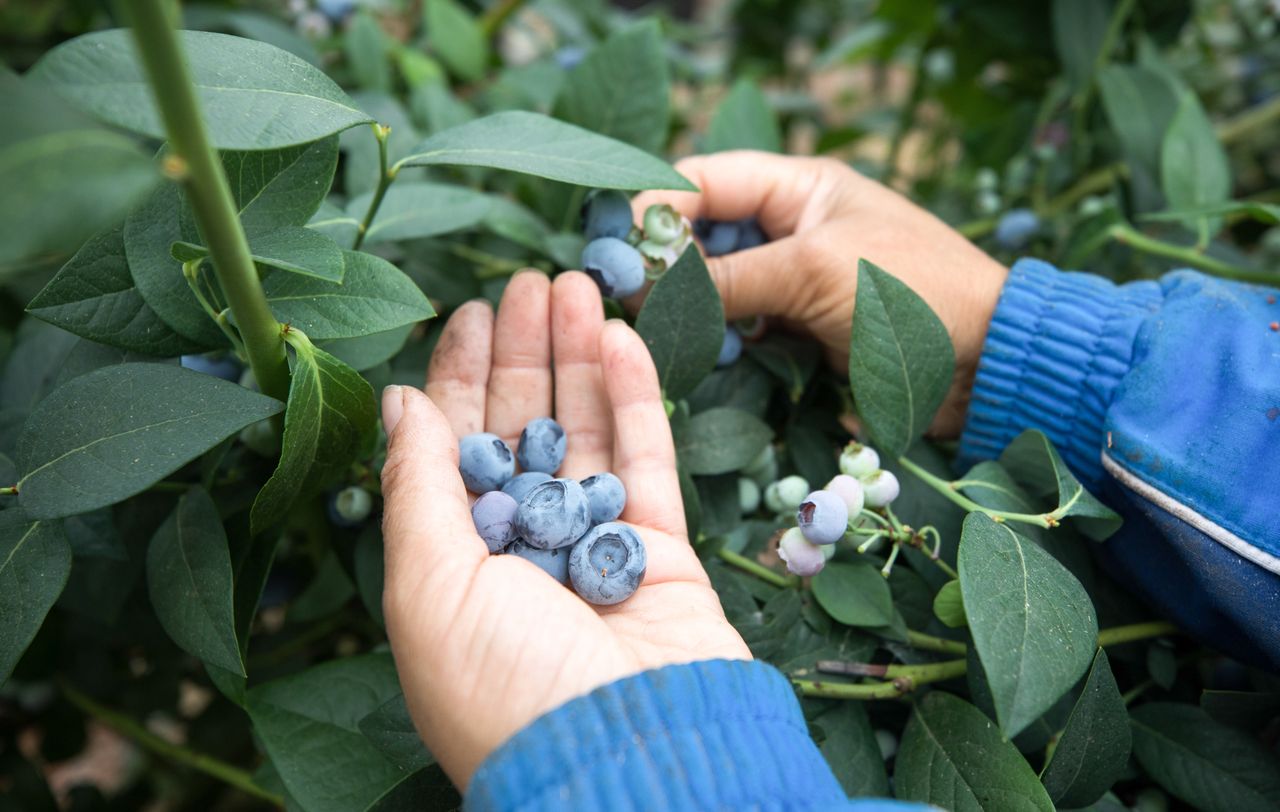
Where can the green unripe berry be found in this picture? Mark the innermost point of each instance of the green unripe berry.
(663, 224)
(261, 438)
(353, 504)
(1150, 800)
(748, 495)
(858, 460)
(785, 495)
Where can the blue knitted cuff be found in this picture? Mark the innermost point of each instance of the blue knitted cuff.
(718, 734)
(1058, 346)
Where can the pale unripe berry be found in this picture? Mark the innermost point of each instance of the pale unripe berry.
(858, 460)
(748, 495)
(850, 490)
(879, 488)
(803, 557)
(663, 224)
(785, 495)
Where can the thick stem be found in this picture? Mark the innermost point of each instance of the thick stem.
(759, 570)
(386, 175)
(930, 643)
(903, 680)
(131, 729)
(9, 490)
(947, 489)
(1126, 234)
(209, 193)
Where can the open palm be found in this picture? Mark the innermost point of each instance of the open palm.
(486, 644)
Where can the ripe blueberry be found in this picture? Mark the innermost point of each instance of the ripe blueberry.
(748, 495)
(486, 463)
(823, 517)
(569, 56)
(336, 10)
(850, 490)
(607, 213)
(803, 557)
(493, 514)
(786, 494)
(606, 495)
(858, 460)
(542, 446)
(553, 514)
(225, 368)
(553, 562)
(719, 237)
(615, 266)
(349, 507)
(607, 564)
(1016, 228)
(750, 235)
(879, 488)
(520, 484)
(731, 348)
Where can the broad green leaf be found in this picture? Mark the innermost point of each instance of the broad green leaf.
(330, 422)
(329, 590)
(66, 177)
(94, 296)
(253, 96)
(682, 323)
(1033, 624)
(1079, 28)
(253, 25)
(854, 594)
(413, 210)
(190, 582)
(1139, 103)
(282, 187)
(338, 769)
(1093, 748)
(953, 756)
(900, 360)
(721, 440)
(457, 38)
(743, 120)
(362, 160)
(375, 296)
(948, 606)
(335, 224)
(368, 52)
(1268, 213)
(292, 248)
(851, 750)
(31, 372)
(366, 352)
(621, 89)
(1037, 466)
(369, 572)
(1210, 766)
(534, 144)
(510, 220)
(1194, 168)
(35, 561)
(390, 729)
(1250, 710)
(436, 108)
(109, 434)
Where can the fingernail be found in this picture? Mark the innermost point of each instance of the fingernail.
(392, 408)
(615, 321)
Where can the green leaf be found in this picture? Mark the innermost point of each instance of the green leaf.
(109, 434)
(74, 177)
(190, 582)
(1267, 213)
(35, 561)
(339, 769)
(621, 89)
(1139, 103)
(721, 440)
(948, 606)
(390, 729)
(952, 756)
(1246, 709)
(94, 296)
(366, 352)
(253, 25)
(253, 96)
(534, 144)
(330, 422)
(1210, 766)
(455, 36)
(1035, 463)
(368, 52)
(413, 210)
(743, 120)
(1032, 622)
(336, 224)
(1079, 29)
(851, 750)
(1194, 168)
(900, 360)
(292, 249)
(854, 594)
(375, 296)
(682, 323)
(282, 187)
(1093, 748)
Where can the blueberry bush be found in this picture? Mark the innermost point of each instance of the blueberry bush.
(224, 227)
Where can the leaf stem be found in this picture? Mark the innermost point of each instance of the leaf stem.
(759, 570)
(1126, 234)
(948, 489)
(210, 195)
(497, 14)
(131, 729)
(930, 643)
(903, 679)
(386, 175)
(1136, 631)
(9, 490)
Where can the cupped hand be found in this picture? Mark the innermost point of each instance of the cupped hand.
(822, 217)
(486, 644)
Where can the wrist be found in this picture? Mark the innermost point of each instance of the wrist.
(973, 308)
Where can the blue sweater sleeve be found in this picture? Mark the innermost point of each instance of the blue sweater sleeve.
(1164, 398)
(718, 734)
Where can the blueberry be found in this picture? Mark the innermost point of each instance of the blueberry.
(663, 224)
(553, 514)
(986, 179)
(349, 507)
(485, 461)
(748, 495)
(823, 517)
(850, 490)
(786, 494)
(553, 562)
(750, 235)
(607, 213)
(569, 56)
(336, 10)
(521, 484)
(225, 368)
(492, 515)
(879, 488)
(731, 348)
(721, 237)
(803, 557)
(1016, 228)
(607, 564)
(542, 446)
(614, 265)
(606, 495)
(858, 460)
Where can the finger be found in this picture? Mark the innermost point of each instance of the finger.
(644, 456)
(760, 281)
(520, 376)
(582, 407)
(459, 369)
(428, 536)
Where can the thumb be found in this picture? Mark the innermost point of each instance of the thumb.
(761, 281)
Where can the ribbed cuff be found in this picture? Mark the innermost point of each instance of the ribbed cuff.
(709, 735)
(1058, 346)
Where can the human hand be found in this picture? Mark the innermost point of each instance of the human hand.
(822, 217)
(486, 644)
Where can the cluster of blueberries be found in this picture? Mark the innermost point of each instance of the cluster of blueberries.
(565, 527)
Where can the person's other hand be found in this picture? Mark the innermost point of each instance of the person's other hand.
(486, 644)
(822, 217)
